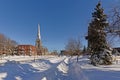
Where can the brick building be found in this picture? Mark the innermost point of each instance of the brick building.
(38, 49)
(26, 50)
(38, 44)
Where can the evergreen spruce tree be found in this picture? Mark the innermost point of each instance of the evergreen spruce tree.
(84, 50)
(97, 43)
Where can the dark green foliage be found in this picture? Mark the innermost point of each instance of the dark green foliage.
(97, 36)
(84, 50)
(102, 58)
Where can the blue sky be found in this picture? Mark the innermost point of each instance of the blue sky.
(59, 20)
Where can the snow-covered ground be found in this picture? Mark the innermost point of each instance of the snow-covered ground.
(55, 68)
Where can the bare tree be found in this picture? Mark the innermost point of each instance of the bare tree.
(6, 45)
(114, 27)
(74, 47)
(2, 43)
(113, 31)
(54, 52)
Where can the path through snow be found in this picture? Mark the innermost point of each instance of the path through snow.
(55, 68)
(44, 68)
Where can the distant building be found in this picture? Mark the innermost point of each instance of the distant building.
(26, 50)
(63, 52)
(38, 44)
(118, 49)
(38, 49)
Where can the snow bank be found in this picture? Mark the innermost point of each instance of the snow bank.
(76, 72)
(3, 75)
(55, 68)
(63, 67)
(101, 72)
(41, 66)
(44, 78)
(18, 78)
(66, 60)
(55, 59)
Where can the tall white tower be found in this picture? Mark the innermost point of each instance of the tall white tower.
(38, 43)
(38, 35)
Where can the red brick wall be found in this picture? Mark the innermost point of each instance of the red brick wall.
(26, 50)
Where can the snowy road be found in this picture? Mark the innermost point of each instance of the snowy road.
(44, 68)
(55, 68)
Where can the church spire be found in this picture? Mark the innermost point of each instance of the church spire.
(38, 43)
(38, 35)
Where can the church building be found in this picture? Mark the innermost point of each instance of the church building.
(38, 49)
(38, 43)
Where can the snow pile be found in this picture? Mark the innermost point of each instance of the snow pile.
(56, 68)
(71, 70)
(76, 72)
(18, 78)
(18, 58)
(63, 67)
(102, 57)
(100, 72)
(66, 60)
(41, 66)
(2, 75)
(44, 78)
(56, 59)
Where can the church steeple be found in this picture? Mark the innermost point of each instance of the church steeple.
(38, 35)
(38, 43)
